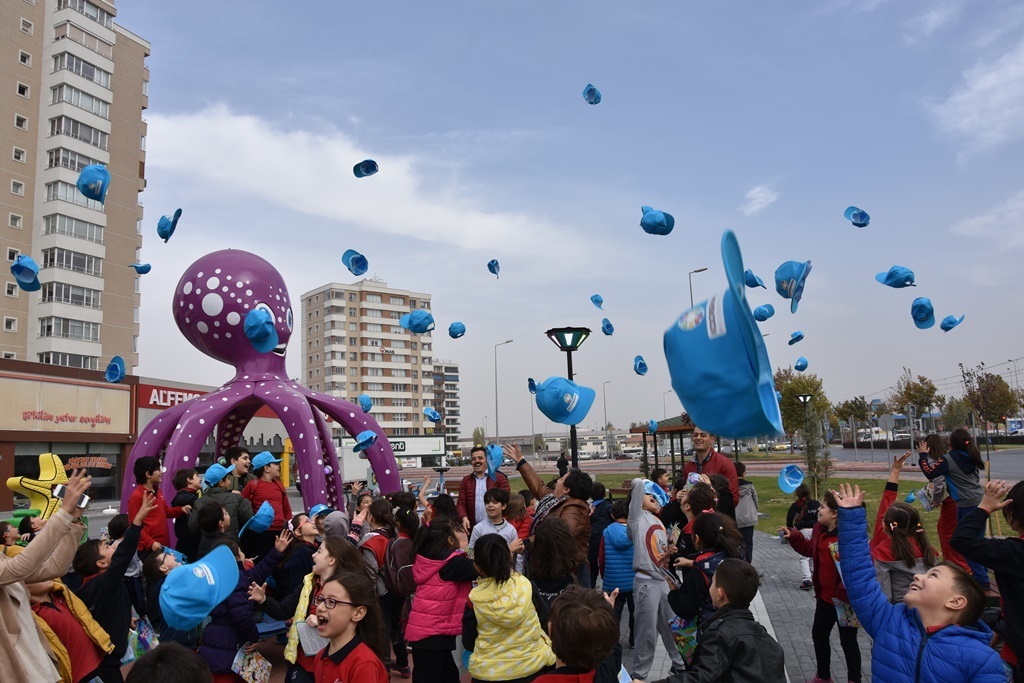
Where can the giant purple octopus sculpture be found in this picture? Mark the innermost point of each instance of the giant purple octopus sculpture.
(210, 304)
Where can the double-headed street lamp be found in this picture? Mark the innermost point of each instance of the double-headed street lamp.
(496, 432)
(806, 400)
(689, 277)
(568, 339)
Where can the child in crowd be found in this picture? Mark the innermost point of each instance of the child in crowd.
(170, 663)
(650, 588)
(500, 624)
(935, 634)
(148, 475)
(1006, 557)
(829, 591)
(517, 515)
(734, 647)
(398, 576)
(746, 511)
(554, 556)
(116, 527)
(600, 518)
(616, 562)
(660, 477)
(444, 576)
(103, 590)
(802, 516)
(354, 631)
(187, 483)
(694, 500)
(218, 490)
(725, 505)
(583, 634)
(8, 538)
(155, 570)
(672, 512)
(716, 539)
(495, 504)
(529, 500)
(381, 522)
(266, 486)
(74, 636)
(29, 526)
(213, 522)
(899, 546)
(298, 557)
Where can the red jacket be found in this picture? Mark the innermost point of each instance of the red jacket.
(466, 504)
(257, 491)
(565, 675)
(154, 526)
(716, 463)
(828, 582)
(523, 526)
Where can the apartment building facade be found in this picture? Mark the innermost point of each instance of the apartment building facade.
(72, 93)
(448, 404)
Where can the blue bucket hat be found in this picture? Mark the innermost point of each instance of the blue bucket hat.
(365, 402)
(262, 459)
(190, 592)
(494, 267)
(166, 226)
(432, 414)
(607, 327)
(800, 365)
(355, 262)
(718, 362)
(365, 168)
(897, 277)
(494, 459)
(656, 222)
(762, 313)
(949, 322)
(419, 321)
(652, 489)
(652, 426)
(859, 217)
(797, 336)
(922, 312)
(456, 330)
(94, 181)
(115, 371)
(751, 280)
(214, 474)
(365, 439)
(790, 278)
(597, 300)
(142, 268)
(261, 330)
(640, 366)
(790, 478)
(591, 94)
(259, 522)
(564, 401)
(531, 385)
(26, 271)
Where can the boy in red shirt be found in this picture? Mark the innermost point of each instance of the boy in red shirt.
(78, 641)
(583, 633)
(155, 535)
(266, 486)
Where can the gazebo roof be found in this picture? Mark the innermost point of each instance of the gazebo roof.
(679, 424)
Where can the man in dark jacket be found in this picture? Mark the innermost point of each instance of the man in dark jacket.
(600, 518)
(470, 505)
(563, 464)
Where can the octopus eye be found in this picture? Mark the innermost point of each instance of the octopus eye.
(264, 307)
(288, 319)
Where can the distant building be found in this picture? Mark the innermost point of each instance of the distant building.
(447, 402)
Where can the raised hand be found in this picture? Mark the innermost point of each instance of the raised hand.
(610, 597)
(78, 483)
(922, 447)
(897, 462)
(257, 593)
(283, 539)
(513, 451)
(847, 497)
(995, 490)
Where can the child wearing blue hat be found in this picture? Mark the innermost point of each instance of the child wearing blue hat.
(266, 487)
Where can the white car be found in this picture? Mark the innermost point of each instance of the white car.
(901, 436)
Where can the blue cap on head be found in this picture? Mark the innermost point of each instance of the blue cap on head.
(365, 168)
(751, 280)
(262, 459)
(180, 557)
(790, 478)
(652, 426)
(922, 312)
(640, 365)
(261, 521)
(115, 371)
(318, 509)
(800, 365)
(897, 277)
(762, 313)
(796, 337)
(355, 262)
(494, 459)
(93, 182)
(718, 362)
(656, 222)
(494, 266)
(790, 278)
(597, 300)
(261, 330)
(142, 268)
(653, 489)
(166, 226)
(607, 327)
(364, 440)
(564, 401)
(190, 592)
(531, 384)
(214, 474)
(456, 330)
(432, 414)
(365, 403)
(591, 94)
(949, 322)
(419, 321)
(858, 217)
(26, 272)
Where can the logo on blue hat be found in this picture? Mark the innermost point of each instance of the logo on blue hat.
(607, 327)
(364, 440)
(142, 268)
(897, 277)
(456, 330)
(751, 280)
(93, 182)
(597, 300)
(432, 414)
(591, 94)
(419, 321)
(800, 365)
(796, 337)
(190, 592)
(355, 262)
(949, 322)
(656, 222)
(365, 403)
(494, 267)
(922, 312)
(365, 168)
(762, 313)
(115, 371)
(790, 278)
(261, 330)
(564, 401)
(858, 217)
(640, 366)
(166, 226)
(26, 272)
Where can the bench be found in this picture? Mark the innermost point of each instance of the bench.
(627, 486)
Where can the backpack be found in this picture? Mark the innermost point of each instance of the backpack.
(397, 570)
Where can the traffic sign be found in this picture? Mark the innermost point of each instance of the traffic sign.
(886, 422)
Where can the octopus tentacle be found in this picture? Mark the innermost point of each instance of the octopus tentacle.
(230, 429)
(332, 466)
(151, 442)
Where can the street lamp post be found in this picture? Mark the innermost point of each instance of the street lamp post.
(664, 409)
(806, 400)
(486, 418)
(1016, 379)
(496, 432)
(689, 277)
(604, 400)
(568, 339)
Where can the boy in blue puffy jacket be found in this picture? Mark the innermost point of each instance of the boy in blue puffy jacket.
(615, 558)
(935, 635)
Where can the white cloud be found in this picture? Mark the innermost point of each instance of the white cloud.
(987, 107)
(925, 24)
(1001, 225)
(758, 199)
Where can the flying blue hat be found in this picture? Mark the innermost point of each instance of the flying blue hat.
(26, 271)
(365, 439)
(115, 371)
(656, 222)
(640, 365)
(922, 312)
(531, 384)
(591, 94)
(718, 362)
(355, 262)
(653, 489)
(456, 330)
(167, 224)
(262, 459)
(432, 414)
(751, 280)
(789, 281)
(419, 321)
(214, 474)
(365, 168)
(800, 365)
(494, 458)
(796, 337)
(949, 322)
(607, 327)
(190, 592)
(897, 277)
(318, 509)
(365, 403)
(142, 268)
(261, 521)
(858, 217)
(790, 478)
(652, 426)
(762, 313)
(597, 300)
(261, 330)
(494, 266)
(564, 401)
(94, 181)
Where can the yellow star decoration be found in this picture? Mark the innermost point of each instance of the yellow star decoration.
(40, 491)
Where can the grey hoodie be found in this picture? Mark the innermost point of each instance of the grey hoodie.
(648, 536)
(336, 524)
(746, 511)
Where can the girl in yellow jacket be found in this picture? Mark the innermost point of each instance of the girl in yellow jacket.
(74, 636)
(500, 624)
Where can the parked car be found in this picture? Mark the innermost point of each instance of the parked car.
(780, 447)
(901, 436)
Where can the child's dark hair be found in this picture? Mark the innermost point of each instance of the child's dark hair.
(492, 557)
(258, 472)
(657, 473)
(444, 506)
(583, 628)
(717, 532)
(700, 498)
(528, 496)
(829, 500)
(181, 478)
(965, 585)
(903, 523)
(380, 510)
(151, 568)
(363, 593)
(117, 525)
(86, 557)
(25, 525)
(231, 543)
(496, 495)
(406, 518)
(620, 509)
(741, 469)
(4, 526)
(738, 579)
(578, 483)
(802, 491)
(597, 491)
(680, 483)
(554, 553)
(143, 467)
(438, 540)
(516, 508)
(1014, 512)
(170, 662)
(936, 446)
(960, 440)
(720, 483)
(209, 517)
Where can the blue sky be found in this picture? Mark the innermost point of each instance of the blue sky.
(765, 118)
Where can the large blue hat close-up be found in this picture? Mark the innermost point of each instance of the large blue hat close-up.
(93, 182)
(261, 521)
(897, 277)
(166, 226)
(355, 262)
(419, 321)
(191, 591)
(365, 168)
(456, 330)
(591, 94)
(656, 222)
(859, 217)
(762, 313)
(922, 312)
(790, 478)
(640, 365)
(790, 278)
(115, 370)
(950, 321)
(563, 401)
(260, 330)
(26, 272)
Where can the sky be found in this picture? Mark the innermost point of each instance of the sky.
(767, 119)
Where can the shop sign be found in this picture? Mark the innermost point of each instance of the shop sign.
(55, 406)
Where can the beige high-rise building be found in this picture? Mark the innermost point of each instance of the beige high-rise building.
(446, 388)
(73, 88)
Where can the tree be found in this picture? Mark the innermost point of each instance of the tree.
(791, 384)
(989, 395)
(479, 438)
(856, 409)
(538, 443)
(819, 461)
(954, 413)
(920, 393)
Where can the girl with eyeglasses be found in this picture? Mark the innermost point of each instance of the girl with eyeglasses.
(347, 614)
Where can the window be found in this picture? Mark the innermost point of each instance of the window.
(400, 388)
(415, 374)
(80, 67)
(68, 159)
(399, 372)
(397, 301)
(17, 187)
(373, 372)
(398, 344)
(372, 313)
(142, 142)
(21, 122)
(67, 328)
(138, 226)
(400, 417)
(374, 298)
(14, 220)
(373, 386)
(353, 312)
(74, 227)
(80, 99)
(400, 402)
(65, 125)
(353, 357)
(412, 345)
(135, 315)
(64, 293)
(145, 91)
(373, 342)
(13, 254)
(89, 10)
(25, 58)
(9, 355)
(24, 90)
(353, 341)
(351, 296)
(27, 27)
(374, 327)
(72, 260)
(18, 154)
(399, 358)
(12, 290)
(10, 324)
(66, 192)
(353, 327)
(138, 285)
(70, 360)
(135, 344)
(374, 357)
(83, 37)
(412, 303)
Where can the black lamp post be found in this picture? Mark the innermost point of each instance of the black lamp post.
(569, 339)
(806, 400)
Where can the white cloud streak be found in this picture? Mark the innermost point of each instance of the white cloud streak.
(929, 22)
(1002, 224)
(758, 199)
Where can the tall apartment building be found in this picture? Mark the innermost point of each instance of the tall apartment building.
(446, 389)
(353, 344)
(73, 87)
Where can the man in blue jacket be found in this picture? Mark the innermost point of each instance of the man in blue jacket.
(935, 635)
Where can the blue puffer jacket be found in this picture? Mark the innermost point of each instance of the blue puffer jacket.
(618, 559)
(902, 650)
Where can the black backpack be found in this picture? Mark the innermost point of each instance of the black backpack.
(397, 570)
